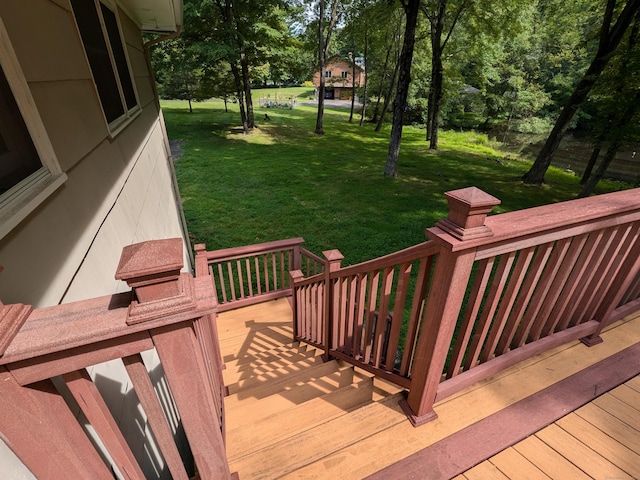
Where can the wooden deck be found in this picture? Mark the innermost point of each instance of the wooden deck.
(290, 416)
(598, 440)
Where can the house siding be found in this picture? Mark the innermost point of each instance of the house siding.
(119, 191)
(341, 86)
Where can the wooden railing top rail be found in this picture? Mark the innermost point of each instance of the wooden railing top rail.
(258, 248)
(409, 254)
(62, 327)
(572, 218)
(312, 255)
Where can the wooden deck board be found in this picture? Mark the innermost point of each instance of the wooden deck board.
(548, 460)
(600, 442)
(484, 471)
(514, 465)
(579, 453)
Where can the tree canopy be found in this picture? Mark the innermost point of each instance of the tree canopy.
(530, 66)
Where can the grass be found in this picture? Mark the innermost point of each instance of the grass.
(284, 181)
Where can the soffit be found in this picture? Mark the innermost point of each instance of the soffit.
(155, 15)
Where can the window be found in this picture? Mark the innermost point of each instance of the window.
(345, 74)
(327, 74)
(103, 45)
(29, 170)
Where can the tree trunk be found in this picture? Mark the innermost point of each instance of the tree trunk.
(387, 96)
(435, 100)
(240, 94)
(411, 8)
(364, 89)
(609, 40)
(592, 163)
(602, 168)
(353, 87)
(376, 111)
(321, 64)
(435, 87)
(323, 54)
(246, 83)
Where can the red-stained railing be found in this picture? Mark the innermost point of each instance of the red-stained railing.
(49, 350)
(373, 309)
(481, 295)
(255, 273)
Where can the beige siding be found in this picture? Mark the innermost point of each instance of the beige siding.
(119, 191)
(44, 37)
(72, 115)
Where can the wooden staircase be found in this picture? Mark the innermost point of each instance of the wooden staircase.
(287, 409)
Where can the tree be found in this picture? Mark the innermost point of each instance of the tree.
(411, 9)
(440, 34)
(610, 36)
(178, 74)
(324, 43)
(616, 101)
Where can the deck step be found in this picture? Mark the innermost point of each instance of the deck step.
(249, 438)
(284, 355)
(276, 460)
(316, 380)
(262, 374)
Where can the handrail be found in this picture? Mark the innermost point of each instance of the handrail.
(165, 312)
(234, 253)
(407, 255)
(515, 284)
(251, 274)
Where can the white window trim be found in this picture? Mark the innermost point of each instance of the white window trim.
(17, 203)
(117, 125)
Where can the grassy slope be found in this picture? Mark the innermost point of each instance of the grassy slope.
(284, 181)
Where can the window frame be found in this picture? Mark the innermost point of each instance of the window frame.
(328, 74)
(116, 125)
(344, 75)
(25, 196)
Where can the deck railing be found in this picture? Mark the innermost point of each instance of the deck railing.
(169, 312)
(483, 293)
(254, 273)
(374, 309)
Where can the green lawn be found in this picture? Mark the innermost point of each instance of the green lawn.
(284, 181)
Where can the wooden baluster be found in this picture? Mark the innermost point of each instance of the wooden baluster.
(95, 409)
(178, 351)
(627, 276)
(467, 211)
(155, 415)
(39, 427)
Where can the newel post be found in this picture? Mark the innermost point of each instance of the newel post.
(153, 270)
(468, 209)
(201, 263)
(333, 259)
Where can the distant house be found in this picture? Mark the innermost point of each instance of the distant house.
(339, 78)
(85, 163)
